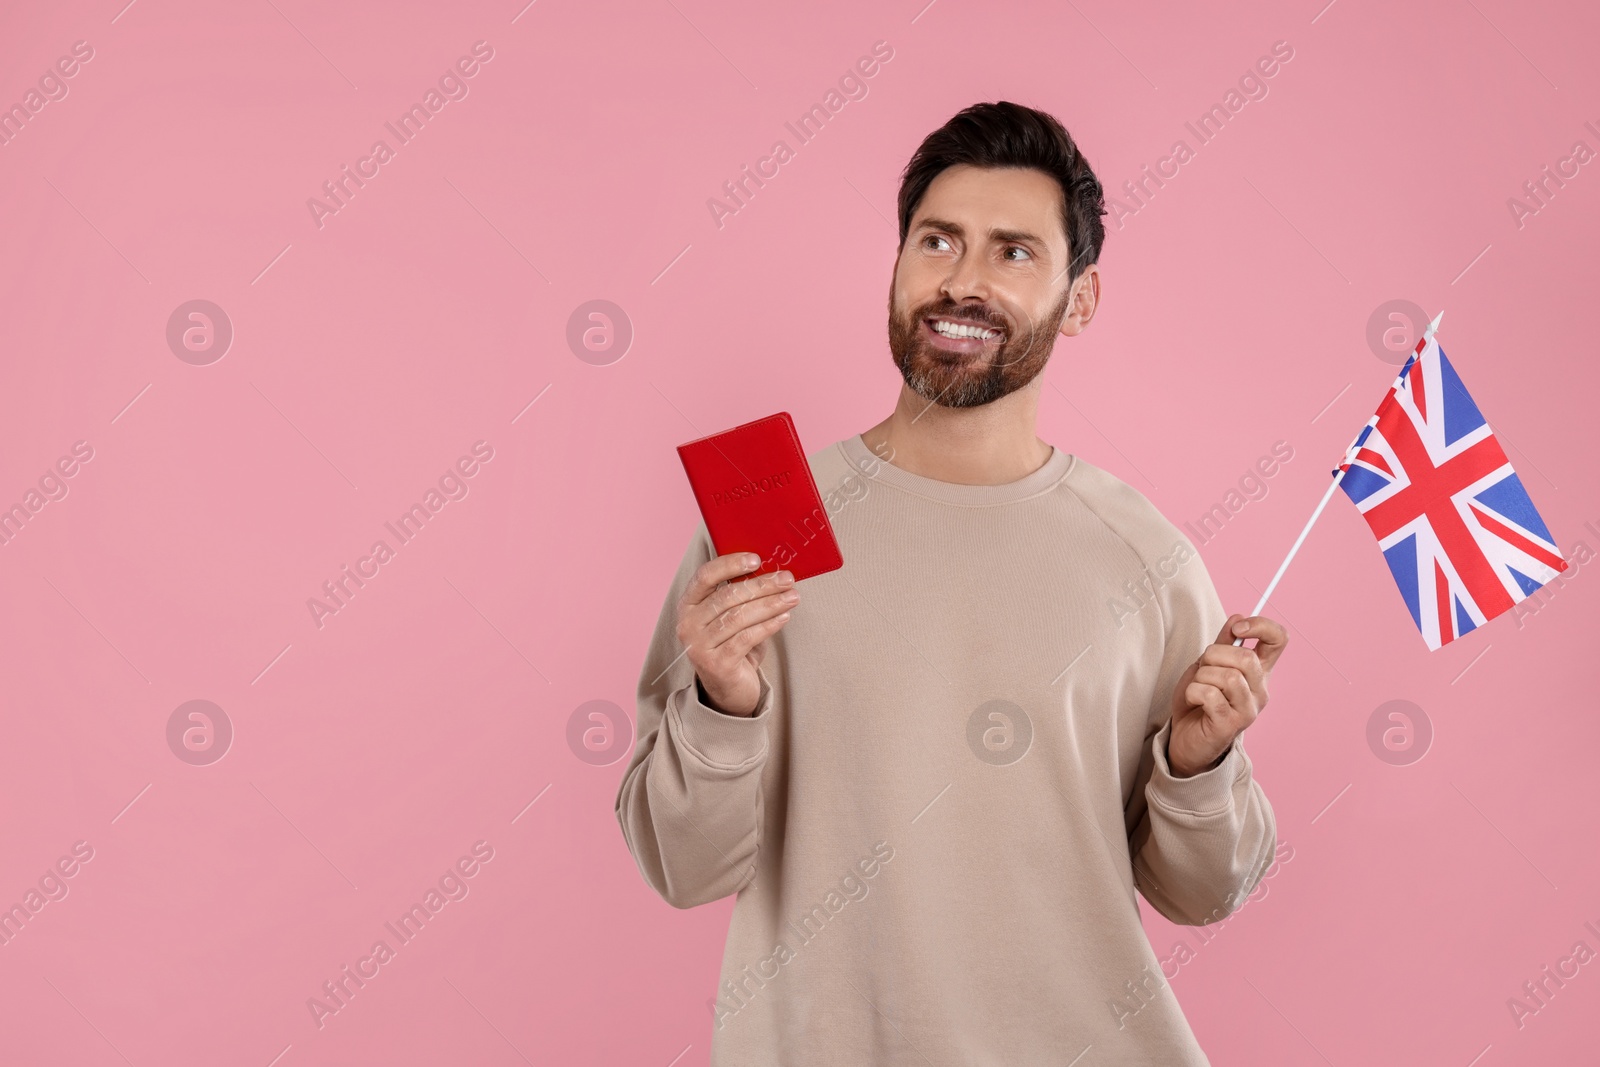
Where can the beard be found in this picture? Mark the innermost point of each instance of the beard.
(966, 381)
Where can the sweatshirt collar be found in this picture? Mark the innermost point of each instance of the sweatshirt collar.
(865, 461)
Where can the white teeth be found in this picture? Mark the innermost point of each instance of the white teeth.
(949, 329)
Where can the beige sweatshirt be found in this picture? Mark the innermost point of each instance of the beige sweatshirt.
(955, 780)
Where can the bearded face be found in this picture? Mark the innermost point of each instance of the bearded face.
(969, 354)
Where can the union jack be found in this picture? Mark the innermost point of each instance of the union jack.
(1455, 523)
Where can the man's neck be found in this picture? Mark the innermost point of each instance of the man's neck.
(989, 445)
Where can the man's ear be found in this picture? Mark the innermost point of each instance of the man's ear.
(1085, 301)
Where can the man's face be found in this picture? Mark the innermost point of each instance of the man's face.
(986, 249)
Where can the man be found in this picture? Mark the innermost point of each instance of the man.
(937, 778)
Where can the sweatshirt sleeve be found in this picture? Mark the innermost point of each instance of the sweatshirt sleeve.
(1199, 844)
(690, 801)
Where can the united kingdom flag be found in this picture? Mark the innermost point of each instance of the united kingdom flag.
(1455, 523)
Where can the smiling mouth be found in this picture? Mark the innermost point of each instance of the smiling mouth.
(961, 329)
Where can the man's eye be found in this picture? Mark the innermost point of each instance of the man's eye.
(1019, 248)
(931, 237)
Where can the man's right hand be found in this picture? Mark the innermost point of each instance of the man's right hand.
(725, 625)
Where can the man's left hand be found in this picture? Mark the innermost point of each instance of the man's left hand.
(1222, 693)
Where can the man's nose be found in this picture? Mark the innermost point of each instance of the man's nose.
(968, 279)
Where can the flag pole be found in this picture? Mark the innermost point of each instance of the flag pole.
(1298, 541)
(1327, 496)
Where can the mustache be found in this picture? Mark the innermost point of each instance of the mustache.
(977, 316)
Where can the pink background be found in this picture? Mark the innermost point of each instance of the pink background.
(372, 352)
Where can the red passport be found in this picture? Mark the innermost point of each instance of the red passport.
(756, 493)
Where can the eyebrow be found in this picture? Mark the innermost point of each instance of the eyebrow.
(1021, 236)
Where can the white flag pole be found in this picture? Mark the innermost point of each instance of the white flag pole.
(1298, 541)
(1337, 478)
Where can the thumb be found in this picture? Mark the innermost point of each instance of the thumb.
(1225, 635)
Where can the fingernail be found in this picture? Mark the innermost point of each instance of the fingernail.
(1240, 628)
(784, 578)
(752, 561)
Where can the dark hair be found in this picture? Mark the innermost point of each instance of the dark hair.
(1004, 134)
